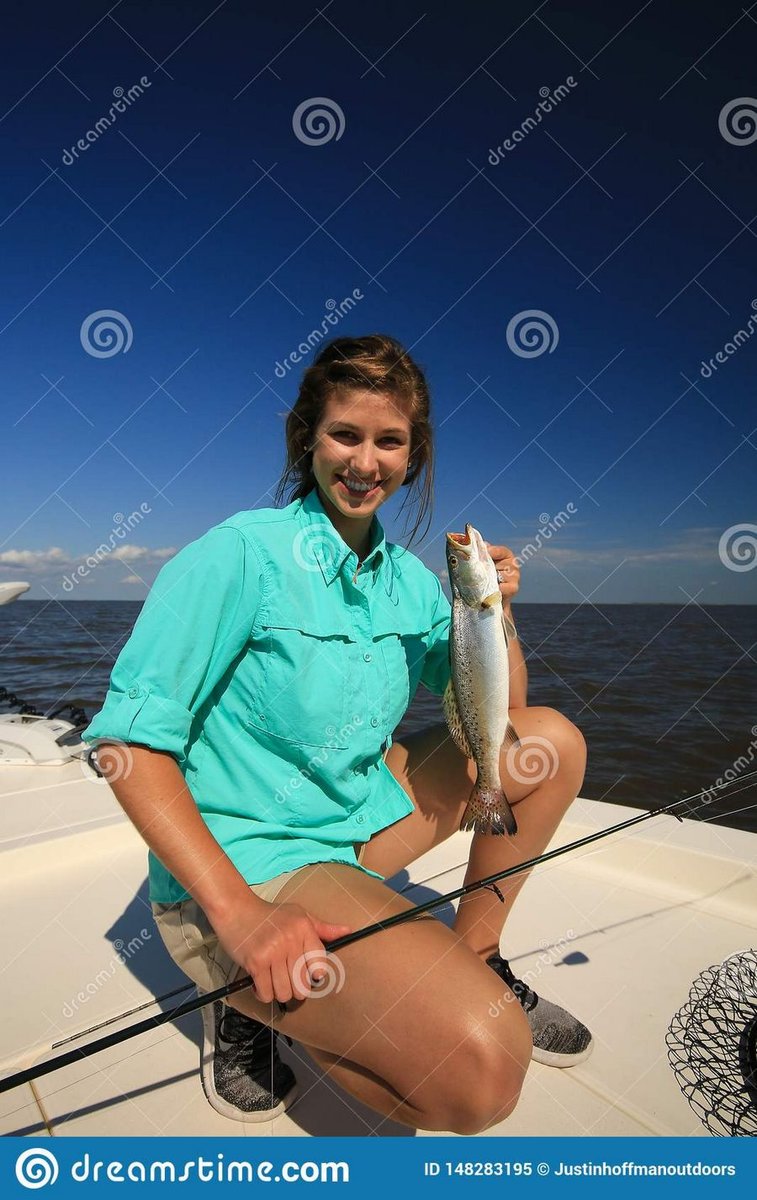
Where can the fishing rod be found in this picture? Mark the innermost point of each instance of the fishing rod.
(490, 882)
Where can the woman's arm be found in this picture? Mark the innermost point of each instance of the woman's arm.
(273, 943)
(518, 670)
(154, 795)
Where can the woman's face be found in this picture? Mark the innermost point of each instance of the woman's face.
(362, 439)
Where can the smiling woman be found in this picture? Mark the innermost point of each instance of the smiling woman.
(360, 430)
(255, 703)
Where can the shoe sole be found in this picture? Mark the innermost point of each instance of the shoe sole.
(230, 1111)
(548, 1059)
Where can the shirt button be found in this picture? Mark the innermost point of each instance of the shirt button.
(359, 818)
(368, 657)
(374, 721)
(133, 692)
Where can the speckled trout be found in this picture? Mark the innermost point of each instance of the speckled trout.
(477, 697)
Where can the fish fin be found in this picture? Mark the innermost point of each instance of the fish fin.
(490, 600)
(454, 721)
(511, 738)
(510, 630)
(488, 811)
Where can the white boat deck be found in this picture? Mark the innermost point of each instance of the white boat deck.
(616, 932)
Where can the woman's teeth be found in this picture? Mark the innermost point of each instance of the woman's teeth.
(357, 488)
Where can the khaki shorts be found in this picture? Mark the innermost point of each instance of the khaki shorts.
(192, 942)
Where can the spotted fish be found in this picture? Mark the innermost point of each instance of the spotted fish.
(477, 696)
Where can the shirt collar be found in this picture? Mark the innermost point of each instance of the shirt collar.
(330, 550)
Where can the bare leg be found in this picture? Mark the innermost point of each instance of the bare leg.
(544, 780)
(409, 1023)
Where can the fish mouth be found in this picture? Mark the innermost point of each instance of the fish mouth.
(470, 544)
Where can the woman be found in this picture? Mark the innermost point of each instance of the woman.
(247, 734)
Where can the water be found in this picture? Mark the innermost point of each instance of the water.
(665, 696)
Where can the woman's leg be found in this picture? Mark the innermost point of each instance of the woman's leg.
(541, 781)
(410, 1021)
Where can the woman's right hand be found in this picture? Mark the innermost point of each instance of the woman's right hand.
(280, 946)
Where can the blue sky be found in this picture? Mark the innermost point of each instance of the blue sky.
(622, 217)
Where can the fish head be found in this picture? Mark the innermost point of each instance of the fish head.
(472, 574)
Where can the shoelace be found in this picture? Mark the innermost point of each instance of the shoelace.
(526, 996)
(255, 1044)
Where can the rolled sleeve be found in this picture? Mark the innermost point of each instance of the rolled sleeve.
(436, 669)
(195, 623)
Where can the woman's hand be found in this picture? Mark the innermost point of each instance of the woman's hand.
(505, 562)
(279, 945)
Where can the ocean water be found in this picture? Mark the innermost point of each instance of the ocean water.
(665, 695)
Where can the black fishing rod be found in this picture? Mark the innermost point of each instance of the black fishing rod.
(491, 881)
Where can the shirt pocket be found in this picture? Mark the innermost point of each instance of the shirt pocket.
(306, 696)
(404, 652)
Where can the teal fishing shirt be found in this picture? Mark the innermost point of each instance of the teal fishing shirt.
(275, 672)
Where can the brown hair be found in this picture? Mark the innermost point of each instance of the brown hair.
(378, 362)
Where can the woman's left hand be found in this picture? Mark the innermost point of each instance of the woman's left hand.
(504, 561)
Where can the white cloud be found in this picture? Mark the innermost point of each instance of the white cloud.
(129, 553)
(31, 559)
(41, 562)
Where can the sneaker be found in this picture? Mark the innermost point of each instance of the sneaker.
(560, 1040)
(242, 1075)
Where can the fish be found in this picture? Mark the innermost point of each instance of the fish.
(477, 696)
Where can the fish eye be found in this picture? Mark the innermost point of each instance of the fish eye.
(452, 560)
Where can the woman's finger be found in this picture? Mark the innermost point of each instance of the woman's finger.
(282, 983)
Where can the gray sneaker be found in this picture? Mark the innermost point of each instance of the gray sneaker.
(560, 1040)
(242, 1075)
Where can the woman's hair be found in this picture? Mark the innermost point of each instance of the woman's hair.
(379, 363)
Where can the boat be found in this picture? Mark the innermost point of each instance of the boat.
(11, 591)
(617, 931)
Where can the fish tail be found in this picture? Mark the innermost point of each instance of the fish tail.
(488, 811)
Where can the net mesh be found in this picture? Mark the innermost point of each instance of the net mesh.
(712, 1046)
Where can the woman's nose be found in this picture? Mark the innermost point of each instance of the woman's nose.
(364, 460)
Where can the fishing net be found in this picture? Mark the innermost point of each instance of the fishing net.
(712, 1046)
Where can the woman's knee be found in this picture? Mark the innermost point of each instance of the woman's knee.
(549, 733)
(484, 1085)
